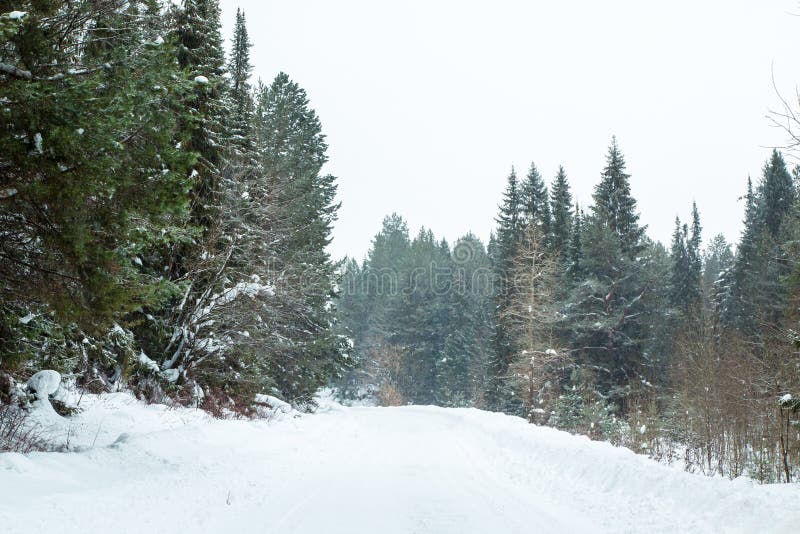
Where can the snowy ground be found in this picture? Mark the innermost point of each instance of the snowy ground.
(360, 470)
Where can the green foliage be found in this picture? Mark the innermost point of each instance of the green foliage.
(614, 206)
(430, 302)
(562, 215)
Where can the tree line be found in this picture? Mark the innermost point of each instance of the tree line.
(578, 320)
(163, 219)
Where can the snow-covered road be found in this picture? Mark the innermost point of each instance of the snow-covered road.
(363, 470)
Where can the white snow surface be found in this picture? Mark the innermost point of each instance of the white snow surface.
(357, 470)
(44, 383)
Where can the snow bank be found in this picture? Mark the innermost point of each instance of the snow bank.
(360, 470)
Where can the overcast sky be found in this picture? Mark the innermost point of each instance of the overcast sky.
(428, 104)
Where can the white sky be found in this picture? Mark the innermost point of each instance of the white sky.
(427, 104)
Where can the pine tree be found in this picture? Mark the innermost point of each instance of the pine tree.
(561, 209)
(614, 206)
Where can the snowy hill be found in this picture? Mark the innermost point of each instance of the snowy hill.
(360, 470)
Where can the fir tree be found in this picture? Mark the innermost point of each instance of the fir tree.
(509, 224)
(717, 259)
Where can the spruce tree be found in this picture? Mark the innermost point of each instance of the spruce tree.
(681, 265)
(461, 369)
(93, 179)
(604, 315)
(737, 309)
(575, 267)
(535, 202)
(302, 208)
(241, 98)
(201, 54)
(685, 284)
(561, 209)
(693, 245)
(91, 175)
(509, 233)
(777, 194)
(613, 204)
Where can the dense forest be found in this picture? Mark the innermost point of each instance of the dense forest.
(572, 317)
(163, 220)
(164, 228)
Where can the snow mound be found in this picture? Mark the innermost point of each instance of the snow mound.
(202, 80)
(44, 383)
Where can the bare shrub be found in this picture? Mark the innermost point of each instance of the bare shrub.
(530, 317)
(385, 372)
(727, 393)
(18, 433)
(389, 395)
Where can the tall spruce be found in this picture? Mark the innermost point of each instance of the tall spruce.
(681, 267)
(687, 267)
(777, 194)
(561, 210)
(241, 98)
(535, 203)
(693, 250)
(603, 317)
(614, 206)
(201, 54)
(737, 308)
(508, 236)
(302, 209)
(575, 267)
